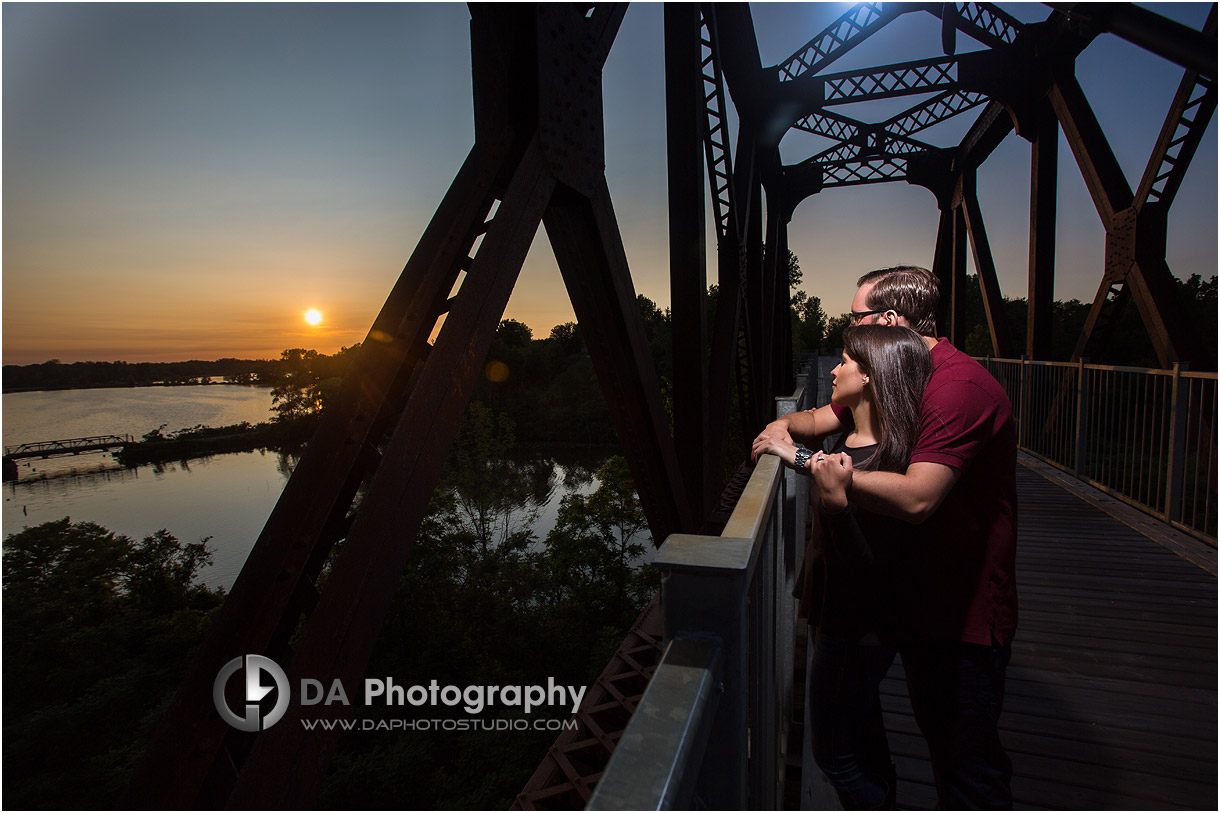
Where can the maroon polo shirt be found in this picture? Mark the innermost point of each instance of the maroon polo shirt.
(955, 574)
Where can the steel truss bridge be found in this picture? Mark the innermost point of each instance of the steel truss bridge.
(538, 160)
(54, 448)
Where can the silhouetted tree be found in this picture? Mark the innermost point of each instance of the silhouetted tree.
(567, 338)
(513, 333)
(97, 632)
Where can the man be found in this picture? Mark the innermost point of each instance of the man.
(955, 577)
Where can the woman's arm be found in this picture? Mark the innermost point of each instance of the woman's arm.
(810, 427)
(832, 474)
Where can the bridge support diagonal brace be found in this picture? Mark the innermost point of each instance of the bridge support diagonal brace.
(950, 269)
(186, 764)
(1099, 167)
(984, 264)
(961, 239)
(1044, 179)
(942, 267)
(1093, 319)
(589, 250)
(342, 631)
(1169, 326)
(684, 111)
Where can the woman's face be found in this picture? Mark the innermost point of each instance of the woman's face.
(848, 382)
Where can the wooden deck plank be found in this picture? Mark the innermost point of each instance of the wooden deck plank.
(1056, 738)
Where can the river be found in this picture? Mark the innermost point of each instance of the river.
(226, 497)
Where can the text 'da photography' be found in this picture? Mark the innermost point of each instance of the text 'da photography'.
(253, 693)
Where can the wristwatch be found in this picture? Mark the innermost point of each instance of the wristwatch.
(801, 463)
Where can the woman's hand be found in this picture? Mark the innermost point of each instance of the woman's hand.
(832, 476)
(773, 437)
(785, 450)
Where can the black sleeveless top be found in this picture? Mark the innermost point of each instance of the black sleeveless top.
(853, 550)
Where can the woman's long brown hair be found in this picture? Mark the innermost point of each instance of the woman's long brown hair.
(898, 364)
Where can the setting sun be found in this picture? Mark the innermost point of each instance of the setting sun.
(313, 317)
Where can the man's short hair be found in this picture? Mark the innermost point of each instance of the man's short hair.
(910, 291)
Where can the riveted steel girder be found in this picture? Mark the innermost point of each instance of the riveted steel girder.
(694, 128)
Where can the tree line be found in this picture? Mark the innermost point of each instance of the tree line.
(54, 374)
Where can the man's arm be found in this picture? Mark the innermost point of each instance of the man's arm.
(808, 427)
(911, 497)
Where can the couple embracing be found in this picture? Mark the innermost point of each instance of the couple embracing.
(913, 550)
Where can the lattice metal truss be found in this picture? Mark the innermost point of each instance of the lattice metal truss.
(837, 39)
(986, 23)
(933, 111)
(1182, 138)
(716, 134)
(890, 81)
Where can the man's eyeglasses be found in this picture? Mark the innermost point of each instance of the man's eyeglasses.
(856, 316)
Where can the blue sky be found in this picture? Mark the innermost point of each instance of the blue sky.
(184, 181)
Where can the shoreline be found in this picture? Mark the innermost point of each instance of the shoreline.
(119, 386)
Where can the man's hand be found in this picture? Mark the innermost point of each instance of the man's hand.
(832, 474)
(774, 440)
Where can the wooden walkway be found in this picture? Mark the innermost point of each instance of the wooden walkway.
(1111, 694)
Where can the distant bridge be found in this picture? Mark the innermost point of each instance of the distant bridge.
(54, 448)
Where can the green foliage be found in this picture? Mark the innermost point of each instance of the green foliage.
(483, 602)
(548, 387)
(495, 498)
(592, 548)
(97, 631)
(834, 332)
(307, 382)
(809, 323)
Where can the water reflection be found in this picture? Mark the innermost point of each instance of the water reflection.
(228, 497)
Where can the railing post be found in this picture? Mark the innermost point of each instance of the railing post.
(1178, 410)
(704, 586)
(1022, 395)
(1082, 427)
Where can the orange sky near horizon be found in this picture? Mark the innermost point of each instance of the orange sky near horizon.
(207, 173)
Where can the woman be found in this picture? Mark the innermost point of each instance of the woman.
(880, 380)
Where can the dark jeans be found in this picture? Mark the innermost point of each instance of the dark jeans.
(957, 692)
(847, 733)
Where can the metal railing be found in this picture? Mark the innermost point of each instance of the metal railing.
(1145, 436)
(711, 729)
